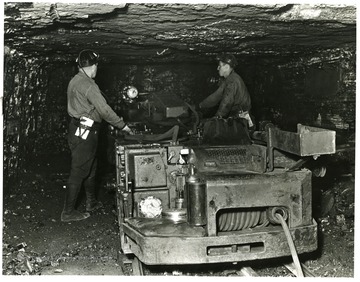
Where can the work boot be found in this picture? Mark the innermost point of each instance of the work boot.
(69, 212)
(93, 206)
(91, 203)
(75, 215)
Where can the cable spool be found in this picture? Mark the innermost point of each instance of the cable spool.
(239, 220)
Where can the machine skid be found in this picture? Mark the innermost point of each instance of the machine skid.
(234, 247)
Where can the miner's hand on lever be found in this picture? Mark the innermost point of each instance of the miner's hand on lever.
(127, 129)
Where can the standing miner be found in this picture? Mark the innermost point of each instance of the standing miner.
(87, 108)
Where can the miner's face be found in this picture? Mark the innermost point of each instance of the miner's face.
(223, 69)
(94, 70)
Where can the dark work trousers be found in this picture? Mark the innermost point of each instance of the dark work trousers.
(83, 157)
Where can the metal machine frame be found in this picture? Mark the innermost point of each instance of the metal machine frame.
(242, 195)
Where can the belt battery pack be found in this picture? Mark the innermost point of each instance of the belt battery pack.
(84, 127)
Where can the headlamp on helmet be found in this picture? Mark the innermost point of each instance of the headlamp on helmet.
(87, 58)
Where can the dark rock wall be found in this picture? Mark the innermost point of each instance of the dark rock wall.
(306, 88)
(286, 91)
(25, 94)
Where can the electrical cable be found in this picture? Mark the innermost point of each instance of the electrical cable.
(291, 245)
(171, 133)
(197, 119)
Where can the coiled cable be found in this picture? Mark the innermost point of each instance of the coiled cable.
(240, 220)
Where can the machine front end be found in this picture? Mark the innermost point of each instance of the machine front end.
(191, 204)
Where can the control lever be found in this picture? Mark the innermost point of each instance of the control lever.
(171, 155)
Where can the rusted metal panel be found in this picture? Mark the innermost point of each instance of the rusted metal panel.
(290, 190)
(155, 250)
(231, 159)
(149, 170)
(316, 140)
(308, 141)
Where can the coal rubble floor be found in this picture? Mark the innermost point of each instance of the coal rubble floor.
(36, 242)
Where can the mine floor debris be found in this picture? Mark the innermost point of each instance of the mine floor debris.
(35, 242)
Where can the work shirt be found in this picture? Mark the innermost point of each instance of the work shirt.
(85, 99)
(232, 95)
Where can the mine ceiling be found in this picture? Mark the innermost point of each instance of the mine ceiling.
(175, 32)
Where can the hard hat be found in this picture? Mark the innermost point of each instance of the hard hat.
(87, 58)
(227, 59)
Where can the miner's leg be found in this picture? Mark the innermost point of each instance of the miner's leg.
(69, 212)
(92, 203)
(83, 152)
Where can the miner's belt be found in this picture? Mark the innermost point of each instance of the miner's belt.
(95, 126)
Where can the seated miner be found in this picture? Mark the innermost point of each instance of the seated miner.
(234, 103)
(87, 108)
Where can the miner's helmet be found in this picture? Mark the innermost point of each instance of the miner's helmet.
(227, 59)
(87, 58)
